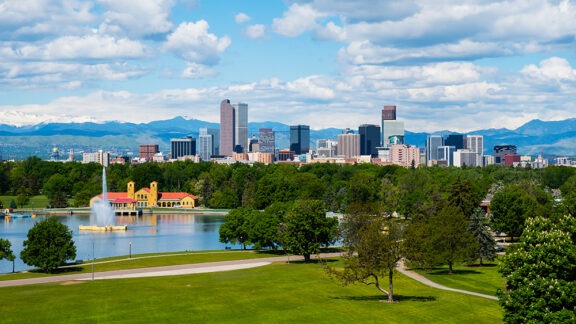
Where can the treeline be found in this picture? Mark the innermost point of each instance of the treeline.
(401, 190)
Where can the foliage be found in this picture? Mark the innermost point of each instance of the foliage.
(13, 204)
(568, 190)
(512, 205)
(235, 228)
(479, 228)
(307, 228)
(48, 245)
(6, 250)
(461, 194)
(540, 273)
(57, 189)
(375, 245)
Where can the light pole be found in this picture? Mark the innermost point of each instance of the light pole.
(93, 259)
(130, 255)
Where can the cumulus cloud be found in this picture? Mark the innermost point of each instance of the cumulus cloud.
(551, 69)
(192, 42)
(297, 20)
(137, 18)
(241, 18)
(255, 31)
(197, 71)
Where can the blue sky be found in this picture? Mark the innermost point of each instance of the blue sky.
(445, 64)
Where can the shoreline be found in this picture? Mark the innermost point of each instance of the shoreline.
(151, 211)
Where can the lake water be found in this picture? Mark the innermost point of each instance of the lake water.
(145, 234)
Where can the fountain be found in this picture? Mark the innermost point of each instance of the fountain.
(102, 215)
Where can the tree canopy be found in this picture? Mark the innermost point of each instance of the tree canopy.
(540, 273)
(48, 245)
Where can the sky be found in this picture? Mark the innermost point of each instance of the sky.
(446, 65)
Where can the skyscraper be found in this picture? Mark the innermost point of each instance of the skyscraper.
(182, 146)
(432, 144)
(500, 151)
(226, 128)
(475, 143)
(205, 144)
(349, 145)
(266, 140)
(446, 153)
(456, 140)
(369, 139)
(147, 151)
(300, 139)
(392, 129)
(241, 125)
(233, 127)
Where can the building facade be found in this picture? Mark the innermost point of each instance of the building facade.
(226, 128)
(348, 145)
(369, 139)
(475, 143)
(433, 142)
(500, 151)
(147, 151)
(300, 139)
(404, 155)
(182, 147)
(266, 140)
(241, 125)
(205, 144)
(446, 153)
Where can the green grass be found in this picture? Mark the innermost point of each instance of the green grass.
(483, 279)
(40, 201)
(277, 293)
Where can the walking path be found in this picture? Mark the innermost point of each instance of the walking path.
(420, 278)
(213, 267)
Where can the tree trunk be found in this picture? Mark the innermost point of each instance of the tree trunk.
(377, 284)
(306, 258)
(390, 285)
(481, 261)
(449, 267)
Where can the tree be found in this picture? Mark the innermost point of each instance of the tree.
(57, 188)
(375, 245)
(307, 228)
(48, 245)
(13, 204)
(6, 250)
(235, 228)
(463, 196)
(540, 273)
(480, 230)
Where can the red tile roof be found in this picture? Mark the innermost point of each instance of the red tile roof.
(175, 196)
(123, 200)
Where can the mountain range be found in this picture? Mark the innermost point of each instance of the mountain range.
(553, 138)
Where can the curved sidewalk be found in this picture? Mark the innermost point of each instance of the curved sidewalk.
(420, 278)
(162, 271)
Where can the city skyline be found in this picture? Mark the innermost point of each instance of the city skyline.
(461, 67)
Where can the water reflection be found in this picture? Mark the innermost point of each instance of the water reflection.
(144, 234)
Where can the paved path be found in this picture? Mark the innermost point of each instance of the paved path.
(212, 267)
(163, 271)
(420, 278)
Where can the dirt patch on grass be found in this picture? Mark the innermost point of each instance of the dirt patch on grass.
(71, 282)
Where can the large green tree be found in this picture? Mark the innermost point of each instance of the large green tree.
(48, 245)
(236, 226)
(479, 227)
(6, 250)
(375, 245)
(540, 273)
(307, 228)
(57, 187)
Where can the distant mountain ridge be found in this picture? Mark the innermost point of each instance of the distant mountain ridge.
(550, 137)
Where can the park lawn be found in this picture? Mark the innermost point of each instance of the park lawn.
(39, 201)
(483, 279)
(145, 261)
(277, 293)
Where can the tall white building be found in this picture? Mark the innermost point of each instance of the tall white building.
(465, 157)
(326, 148)
(446, 153)
(475, 143)
(205, 144)
(241, 125)
(432, 144)
(349, 145)
(99, 157)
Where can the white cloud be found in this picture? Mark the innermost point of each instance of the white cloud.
(255, 31)
(241, 18)
(297, 20)
(137, 18)
(197, 71)
(192, 42)
(552, 69)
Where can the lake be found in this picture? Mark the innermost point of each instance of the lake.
(145, 234)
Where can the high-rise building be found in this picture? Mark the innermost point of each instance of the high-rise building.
(500, 151)
(432, 144)
(205, 144)
(99, 157)
(226, 128)
(404, 155)
(392, 130)
(465, 157)
(300, 139)
(456, 140)
(349, 145)
(266, 140)
(241, 125)
(446, 153)
(369, 139)
(182, 147)
(147, 151)
(475, 143)
(233, 128)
